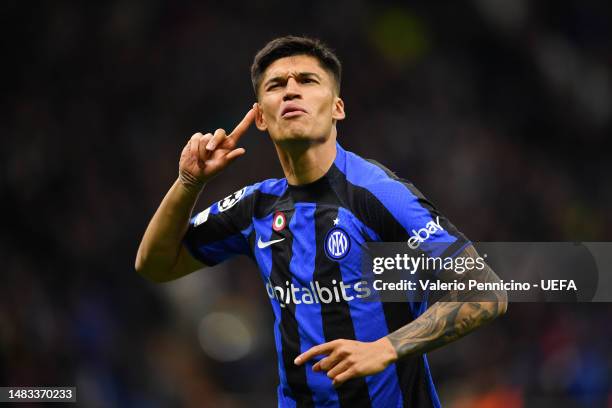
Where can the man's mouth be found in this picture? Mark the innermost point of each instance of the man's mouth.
(292, 110)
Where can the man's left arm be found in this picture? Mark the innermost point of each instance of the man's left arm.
(452, 317)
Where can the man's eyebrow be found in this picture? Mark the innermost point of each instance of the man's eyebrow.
(308, 74)
(274, 79)
(299, 74)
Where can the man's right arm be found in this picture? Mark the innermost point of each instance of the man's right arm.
(161, 255)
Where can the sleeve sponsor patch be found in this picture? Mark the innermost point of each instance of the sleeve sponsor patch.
(201, 217)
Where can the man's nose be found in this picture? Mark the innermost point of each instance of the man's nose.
(292, 90)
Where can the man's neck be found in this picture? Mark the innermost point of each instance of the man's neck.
(305, 162)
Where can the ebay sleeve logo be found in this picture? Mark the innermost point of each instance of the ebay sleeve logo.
(423, 234)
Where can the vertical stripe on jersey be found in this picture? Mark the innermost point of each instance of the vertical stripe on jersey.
(289, 329)
(302, 268)
(367, 314)
(264, 259)
(411, 371)
(336, 316)
(432, 388)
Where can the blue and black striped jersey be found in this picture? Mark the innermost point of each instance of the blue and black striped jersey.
(308, 242)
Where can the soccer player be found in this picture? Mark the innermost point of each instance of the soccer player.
(306, 233)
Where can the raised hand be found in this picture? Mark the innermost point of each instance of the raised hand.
(205, 156)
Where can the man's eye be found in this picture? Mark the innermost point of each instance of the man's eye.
(273, 86)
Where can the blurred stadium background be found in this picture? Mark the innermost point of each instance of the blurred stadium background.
(498, 110)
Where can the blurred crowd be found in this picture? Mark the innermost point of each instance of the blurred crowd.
(498, 110)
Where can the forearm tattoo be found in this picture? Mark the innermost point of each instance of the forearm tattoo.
(452, 317)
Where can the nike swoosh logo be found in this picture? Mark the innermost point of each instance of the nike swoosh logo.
(261, 244)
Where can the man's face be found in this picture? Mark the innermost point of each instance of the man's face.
(297, 100)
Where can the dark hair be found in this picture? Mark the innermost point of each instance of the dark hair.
(291, 45)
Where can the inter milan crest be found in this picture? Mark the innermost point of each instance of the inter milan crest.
(337, 243)
(279, 221)
(231, 200)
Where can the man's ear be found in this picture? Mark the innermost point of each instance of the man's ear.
(338, 112)
(259, 119)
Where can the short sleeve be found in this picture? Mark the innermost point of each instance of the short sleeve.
(221, 231)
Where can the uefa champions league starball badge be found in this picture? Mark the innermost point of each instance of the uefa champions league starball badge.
(231, 200)
(279, 221)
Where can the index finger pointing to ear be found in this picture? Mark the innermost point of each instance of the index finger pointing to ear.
(243, 125)
(324, 348)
